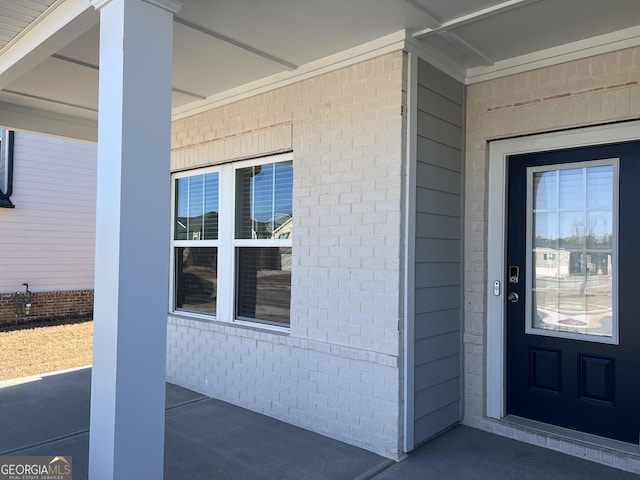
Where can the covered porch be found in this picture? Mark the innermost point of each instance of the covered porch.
(384, 337)
(207, 438)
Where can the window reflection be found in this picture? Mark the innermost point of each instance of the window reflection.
(196, 279)
(263, 201)
(573, 238)
(197, 207)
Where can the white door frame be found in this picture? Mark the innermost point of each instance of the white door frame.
(499, 150)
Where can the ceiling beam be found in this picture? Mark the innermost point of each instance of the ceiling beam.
(75, 61)
(189, 94)
(49, 100)
(472, 17)
(466, 47)
(431, 20)
(235, 43)
(96, 67)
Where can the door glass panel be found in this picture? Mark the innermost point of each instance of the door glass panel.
(571, 240)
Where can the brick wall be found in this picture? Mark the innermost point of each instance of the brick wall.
(46, 305)
(337, 371)
(595, 90)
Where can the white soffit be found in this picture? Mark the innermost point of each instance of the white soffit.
(205, 65)
(304, 31)
(535, 36)
(17, 15)
(225, 50)
(381, 46)
(81, 93)
(589, 47)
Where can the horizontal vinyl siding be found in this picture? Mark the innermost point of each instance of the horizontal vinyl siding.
(48, 239)
(437, 350)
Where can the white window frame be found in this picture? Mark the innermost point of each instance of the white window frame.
(226, 243)
(190, 243)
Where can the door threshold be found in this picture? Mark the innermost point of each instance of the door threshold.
(594, 441)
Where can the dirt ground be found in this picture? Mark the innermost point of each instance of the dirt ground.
(32, 350)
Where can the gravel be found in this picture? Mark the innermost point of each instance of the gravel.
(34, 349)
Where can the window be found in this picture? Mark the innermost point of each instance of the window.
(263, 225)
(231, 241)
(195, 239)
(571, 243)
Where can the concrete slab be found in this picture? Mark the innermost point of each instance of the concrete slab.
(210, 439)
(204, 438)
(214, 439)
(43, 408)
(466, 453)
(48, 407)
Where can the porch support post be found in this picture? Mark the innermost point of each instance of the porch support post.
(132, 239)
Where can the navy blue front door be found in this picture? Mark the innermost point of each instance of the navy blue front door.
(573, 289)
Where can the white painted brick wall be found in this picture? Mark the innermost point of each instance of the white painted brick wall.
(338, 370)
(590, 91)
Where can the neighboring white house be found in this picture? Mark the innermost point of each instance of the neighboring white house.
(47, 227)
(347, 216)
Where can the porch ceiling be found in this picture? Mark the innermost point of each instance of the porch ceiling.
(49, 48)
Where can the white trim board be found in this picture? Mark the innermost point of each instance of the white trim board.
(409, 258)
(499, 150)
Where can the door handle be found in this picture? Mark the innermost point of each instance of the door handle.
(513, 297)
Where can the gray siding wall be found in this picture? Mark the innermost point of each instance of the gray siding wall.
(438, 254)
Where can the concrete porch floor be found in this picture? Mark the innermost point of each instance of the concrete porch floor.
(213, 440)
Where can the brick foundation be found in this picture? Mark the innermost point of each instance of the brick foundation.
(46, 305)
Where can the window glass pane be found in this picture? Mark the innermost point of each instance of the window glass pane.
(571, 280)
(196, 279)
(599, 187)
(572, 228)
(181, 209)
(545, 229)
(545, 187)
(197, 207)
(264, 201)
(599, 229)
(263, 284)
(210, 222)
(571, 188)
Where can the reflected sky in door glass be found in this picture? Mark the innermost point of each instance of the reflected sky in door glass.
(571, 204)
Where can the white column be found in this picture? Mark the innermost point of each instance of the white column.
(132, 239)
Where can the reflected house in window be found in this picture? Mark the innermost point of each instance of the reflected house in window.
(196, 228)
(552, 263)
(281, 228)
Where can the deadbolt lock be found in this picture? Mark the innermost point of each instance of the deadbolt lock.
(514, 274)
